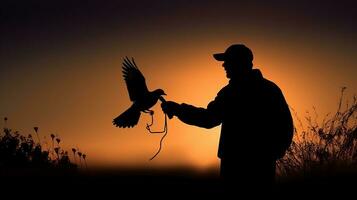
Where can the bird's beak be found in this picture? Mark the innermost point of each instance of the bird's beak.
(164, 94)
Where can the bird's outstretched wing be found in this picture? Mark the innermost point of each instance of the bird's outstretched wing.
(135, 81)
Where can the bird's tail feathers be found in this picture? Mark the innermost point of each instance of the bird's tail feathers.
(129, 118)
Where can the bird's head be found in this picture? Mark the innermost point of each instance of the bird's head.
(159, 92)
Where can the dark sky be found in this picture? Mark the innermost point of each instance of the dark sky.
(32, 26)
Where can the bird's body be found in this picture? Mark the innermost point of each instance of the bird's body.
(148, 100)
(142, 98)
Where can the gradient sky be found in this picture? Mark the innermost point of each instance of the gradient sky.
(61, 67)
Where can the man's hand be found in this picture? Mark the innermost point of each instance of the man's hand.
(170, 108)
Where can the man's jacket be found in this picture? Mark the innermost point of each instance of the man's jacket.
(256, 121)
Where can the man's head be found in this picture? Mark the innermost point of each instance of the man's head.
(238, 60)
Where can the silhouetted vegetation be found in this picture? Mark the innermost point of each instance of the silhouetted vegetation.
(323, 149)
(25, 152)
(318, 149)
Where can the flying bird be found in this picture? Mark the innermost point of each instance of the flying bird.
(142, 98)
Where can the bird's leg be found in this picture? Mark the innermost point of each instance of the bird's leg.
(151, 112)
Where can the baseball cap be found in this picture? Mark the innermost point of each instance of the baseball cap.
(235, 52)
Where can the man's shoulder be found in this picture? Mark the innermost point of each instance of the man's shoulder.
(270, 85)
(223, 90)
(261, 80)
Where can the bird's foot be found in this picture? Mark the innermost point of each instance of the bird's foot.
(151, 112)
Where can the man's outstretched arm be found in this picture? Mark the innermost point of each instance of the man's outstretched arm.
(205, 118)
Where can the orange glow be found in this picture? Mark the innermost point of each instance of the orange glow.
(79, 101)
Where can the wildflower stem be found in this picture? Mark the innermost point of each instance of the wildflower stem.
(74, 157)
(85, 162)
(53, 148)
(80, 162)
(5, 122)
(38, 137)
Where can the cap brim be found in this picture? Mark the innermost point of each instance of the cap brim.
(219, 56)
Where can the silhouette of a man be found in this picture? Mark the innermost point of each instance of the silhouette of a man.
(257, 125)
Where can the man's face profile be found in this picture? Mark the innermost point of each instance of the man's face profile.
(228, 68)
(235, 68)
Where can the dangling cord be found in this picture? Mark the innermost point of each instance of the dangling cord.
(153, 132)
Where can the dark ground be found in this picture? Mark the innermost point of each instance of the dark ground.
(166, 184)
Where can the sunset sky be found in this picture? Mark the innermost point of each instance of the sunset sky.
(61, 67)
